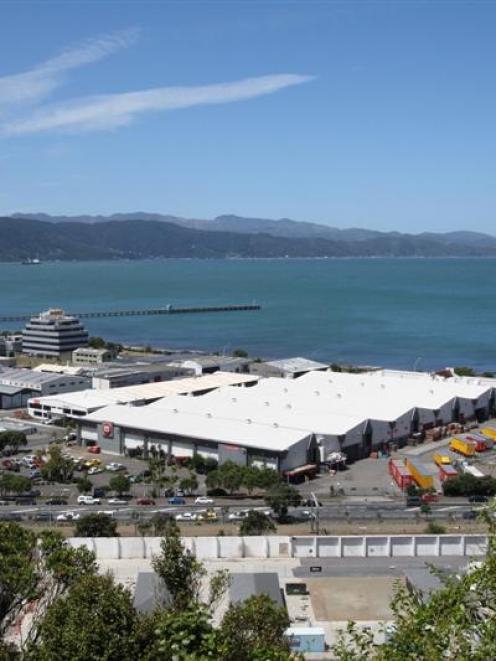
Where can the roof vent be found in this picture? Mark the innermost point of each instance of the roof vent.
(234, 399)
(339, 395)
(383, 386)
(267, 403)
(289, 406)
(276, 424)
(317, 392)
(248, 420)
(175, 411)
(285, 390)
(209, 415)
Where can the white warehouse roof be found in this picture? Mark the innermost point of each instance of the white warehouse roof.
(201, 426)
(91, 400)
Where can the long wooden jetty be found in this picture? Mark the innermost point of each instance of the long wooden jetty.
(168, 309)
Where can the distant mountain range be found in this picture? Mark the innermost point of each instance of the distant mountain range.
(146, 235)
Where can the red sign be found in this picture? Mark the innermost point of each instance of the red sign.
(108, 429)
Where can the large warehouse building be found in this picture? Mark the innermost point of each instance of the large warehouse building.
(288, 423)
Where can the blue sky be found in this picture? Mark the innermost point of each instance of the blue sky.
(371, 114)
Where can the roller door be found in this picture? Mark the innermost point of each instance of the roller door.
(208, 453)
(132, 441)
(89, 434)
(182, 449)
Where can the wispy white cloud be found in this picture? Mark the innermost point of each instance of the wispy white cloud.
(114, 110)
(37, 83)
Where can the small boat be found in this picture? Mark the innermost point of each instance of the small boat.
(31, 262)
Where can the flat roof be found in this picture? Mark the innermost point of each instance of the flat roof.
(296, 364)
(29, 378)
(93, 399)
(202, 427)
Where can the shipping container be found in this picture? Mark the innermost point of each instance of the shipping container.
(400, 473)
(446, 472)
(462, 446)
(490, 432)
(421, 474)
(482, 443)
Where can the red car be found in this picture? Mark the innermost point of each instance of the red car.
(429, 498)
(145, 501)
(95, 449)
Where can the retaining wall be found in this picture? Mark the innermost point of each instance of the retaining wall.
(329, 546)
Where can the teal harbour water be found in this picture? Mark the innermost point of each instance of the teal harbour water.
(390, 312)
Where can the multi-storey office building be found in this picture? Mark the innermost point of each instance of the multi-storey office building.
(53, 334)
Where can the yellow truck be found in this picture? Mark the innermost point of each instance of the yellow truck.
(490, 432)
(466, 448)
(422, 476)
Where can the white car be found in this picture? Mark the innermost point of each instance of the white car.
(88, 500)
(187, 516)
(203, 500)
(94, 470)
(237, 516)
(117, 501)
(114, 466)
(106, 512)
(68, 516)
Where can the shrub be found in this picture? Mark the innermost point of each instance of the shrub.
(434, 528)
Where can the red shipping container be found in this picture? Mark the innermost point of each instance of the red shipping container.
(400, 473)
(446, 471)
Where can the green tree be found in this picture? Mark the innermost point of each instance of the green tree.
(250, 478)
(189, 483)
(160, 522)
(58, 468)
(14, 484)
(240, 353)
(66, 564)
(95, 620)
(84, 484)
(187, 635)
(254, 629)
(120, 484)
(256, 523)
(18, 571)
(96, 525)
(281, 497)
(182, 573)
(96, 342)
(12, 439)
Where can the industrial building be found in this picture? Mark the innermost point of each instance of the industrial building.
(53, 334)
(80, 404)
(120, 376)
(285, 424)
(287, 368)
(88, 356)
(17, 386)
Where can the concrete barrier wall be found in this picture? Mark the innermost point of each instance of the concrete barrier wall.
(331, 546)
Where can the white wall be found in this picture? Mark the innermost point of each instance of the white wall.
(279, 546)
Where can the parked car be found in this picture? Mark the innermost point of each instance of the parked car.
(145, 500)
(56, 501)
(204, 500)
(116, 501)
(94, 449)
(237, 516)
(88, 500)
(89, 463)
(68, 516)
(471, 514)
(429, 497)
(99, 493)
(478, 499)
(94, 470)
(113, 466)
(176, 500)
(413, 501)
(134, 479)
(187, 516)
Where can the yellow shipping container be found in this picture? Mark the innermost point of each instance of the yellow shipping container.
(420, 474)
(489, 431)
(462, 447)
(441, 459)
